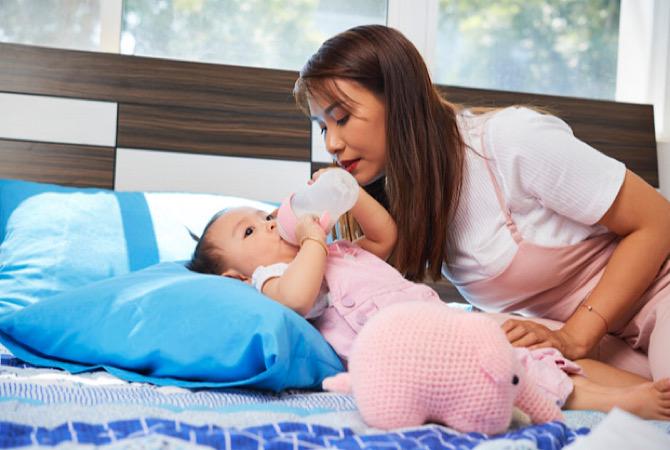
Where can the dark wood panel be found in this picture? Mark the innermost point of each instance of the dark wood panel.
(133, 79)
(213, 132)
(319, 165)
(71, 165)
(624, 131)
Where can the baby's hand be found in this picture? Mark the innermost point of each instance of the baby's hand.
(308, 227)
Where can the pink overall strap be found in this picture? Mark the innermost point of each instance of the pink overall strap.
(499, 194)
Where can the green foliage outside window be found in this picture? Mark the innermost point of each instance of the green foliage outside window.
(61, 23)
(262, 33)
(563, 47)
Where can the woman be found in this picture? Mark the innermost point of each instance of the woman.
(514, 210)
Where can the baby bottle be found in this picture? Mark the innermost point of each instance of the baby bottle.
(331, 195)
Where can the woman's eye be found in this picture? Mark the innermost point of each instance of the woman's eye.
(323, 131)
(248, 231)
(342, 121)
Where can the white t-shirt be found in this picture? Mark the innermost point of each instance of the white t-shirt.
(264, 273)
(556, 186)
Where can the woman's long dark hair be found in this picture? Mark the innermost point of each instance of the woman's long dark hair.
(424, 148)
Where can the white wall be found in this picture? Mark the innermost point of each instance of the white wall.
(643, 73)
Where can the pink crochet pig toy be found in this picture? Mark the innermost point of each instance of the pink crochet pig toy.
(420, 362)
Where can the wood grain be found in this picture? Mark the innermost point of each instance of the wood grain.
(153, 81)
(191, 130)
(66, 164)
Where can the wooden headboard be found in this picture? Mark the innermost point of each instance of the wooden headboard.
(210, 109)
(162, 105)
(175, 125)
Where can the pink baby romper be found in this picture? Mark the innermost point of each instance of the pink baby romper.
(359, 285)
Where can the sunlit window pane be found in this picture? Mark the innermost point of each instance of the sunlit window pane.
(279, 34)
(73, 24)
(561, 47)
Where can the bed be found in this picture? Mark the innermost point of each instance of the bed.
(181, 132)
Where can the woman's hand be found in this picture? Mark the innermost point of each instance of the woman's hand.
(525, 333)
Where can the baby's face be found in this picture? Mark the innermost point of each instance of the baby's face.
(248, 238)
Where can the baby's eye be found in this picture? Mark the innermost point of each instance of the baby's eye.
(248, 231)
(269, 217)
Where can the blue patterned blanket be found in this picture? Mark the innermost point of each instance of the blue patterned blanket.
(277, 435)
(43, 408)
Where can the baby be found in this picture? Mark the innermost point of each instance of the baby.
(339, 286)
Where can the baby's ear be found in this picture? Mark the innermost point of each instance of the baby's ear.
(232, 273)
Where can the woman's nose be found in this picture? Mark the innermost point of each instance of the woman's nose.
(334, 142)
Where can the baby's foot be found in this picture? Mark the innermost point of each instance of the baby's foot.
(647, 400)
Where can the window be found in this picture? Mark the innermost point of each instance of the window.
(277, 34)
(56, 23)
(560, 47)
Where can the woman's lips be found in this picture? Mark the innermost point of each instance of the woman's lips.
(350, 164)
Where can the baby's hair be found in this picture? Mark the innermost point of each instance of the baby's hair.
(206, 258)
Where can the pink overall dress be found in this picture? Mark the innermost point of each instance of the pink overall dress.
(551, 282)
(359, 285)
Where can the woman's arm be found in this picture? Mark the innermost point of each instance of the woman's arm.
(299, 286)
(641, 216)
(379, 229)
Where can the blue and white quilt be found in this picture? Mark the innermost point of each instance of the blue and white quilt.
(45, 408)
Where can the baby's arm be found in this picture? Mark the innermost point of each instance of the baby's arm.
(379, 229)
(299, 286)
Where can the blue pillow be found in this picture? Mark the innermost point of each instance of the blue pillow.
(169, 326)
(56, 238)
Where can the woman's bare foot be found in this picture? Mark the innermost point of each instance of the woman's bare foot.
(649, 400)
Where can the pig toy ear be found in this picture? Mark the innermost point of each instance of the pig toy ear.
(496, 363)
(338, 383)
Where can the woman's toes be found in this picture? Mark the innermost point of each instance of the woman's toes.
(662, 385)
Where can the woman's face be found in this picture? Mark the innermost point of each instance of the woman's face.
(356, 139)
